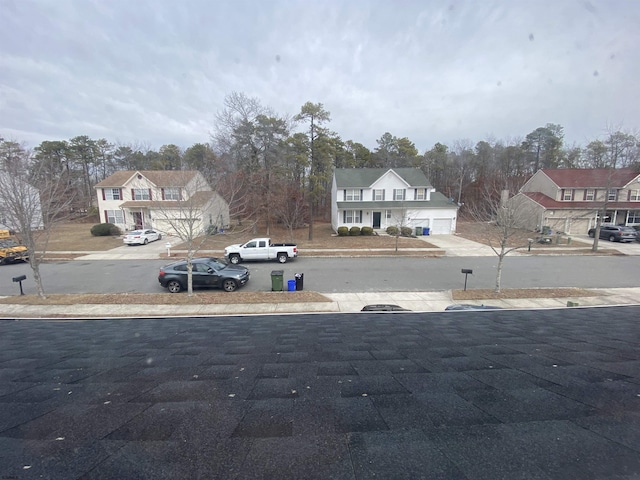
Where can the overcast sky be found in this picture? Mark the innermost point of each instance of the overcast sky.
(156, 71)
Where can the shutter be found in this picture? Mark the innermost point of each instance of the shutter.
(162, 190)
(180, 194)
(344, 195)
(150, 194)
(628, 195)
(584, 194)
(124, 217)
(106, 217)
(104, 197)
(121, 197)
(133, 194)
(344, 216)
(562, 194)
(361, 195)
(383, 192)
(360, 216)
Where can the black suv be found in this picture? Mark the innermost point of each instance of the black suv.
(615, 233)
(207, 272)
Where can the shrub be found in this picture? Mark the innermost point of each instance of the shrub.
(392, 230)
(104, 230)
(353, 231)
(366, 231)
(343, 231)
(406, 231)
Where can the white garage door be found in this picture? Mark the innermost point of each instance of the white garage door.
(441, 226)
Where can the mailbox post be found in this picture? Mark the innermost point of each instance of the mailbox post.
(466, 272)
(168, 245)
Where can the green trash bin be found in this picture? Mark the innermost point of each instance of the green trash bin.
(277, 280)
(418, 231)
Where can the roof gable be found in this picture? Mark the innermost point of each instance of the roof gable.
(366, 177)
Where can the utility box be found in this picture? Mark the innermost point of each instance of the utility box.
(277, 281)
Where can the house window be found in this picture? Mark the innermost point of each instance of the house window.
(352, 195)
(634, 195)
(352, 216)
(114, 216)
(590, 195)
(112, 194)
(634, 217)
(421, 194)
(141, 194)
(398, 193)
(378, 195)
(613, 195)
(172, 194)
(567, 195)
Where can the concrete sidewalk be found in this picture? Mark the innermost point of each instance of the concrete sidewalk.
(339, 303)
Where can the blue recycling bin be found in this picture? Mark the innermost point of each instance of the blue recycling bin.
(291, 284)
(425, 231)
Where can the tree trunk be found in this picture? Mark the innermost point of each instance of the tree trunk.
(499, 271)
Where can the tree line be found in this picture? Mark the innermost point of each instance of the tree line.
(279, 168)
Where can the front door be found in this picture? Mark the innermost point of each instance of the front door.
(376, 219)
(137, 220)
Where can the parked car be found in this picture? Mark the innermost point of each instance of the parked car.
(141, 237)
(384, 307)
(469, 306)
(615, 233)
(207, 272)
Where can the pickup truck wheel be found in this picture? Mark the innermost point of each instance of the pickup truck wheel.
(174, 286)
(235, 259)
(229, 285)
(282, 257)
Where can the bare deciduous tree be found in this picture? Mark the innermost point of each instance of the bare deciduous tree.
(501, 217)
(33, 202)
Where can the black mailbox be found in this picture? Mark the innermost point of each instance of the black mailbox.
(20, 279)
(466, 272)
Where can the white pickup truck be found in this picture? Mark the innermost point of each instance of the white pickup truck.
(261, 249)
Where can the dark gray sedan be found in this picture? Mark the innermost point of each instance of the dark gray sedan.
(207, 272)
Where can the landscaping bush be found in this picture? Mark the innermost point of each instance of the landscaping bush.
(354, 231)
(392, 230)
(104, 230)
(406, 231)
(343, 231)
(366, 231)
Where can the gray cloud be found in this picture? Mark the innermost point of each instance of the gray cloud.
(157, 71)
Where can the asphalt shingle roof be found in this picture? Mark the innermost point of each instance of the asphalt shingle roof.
(591, 177)
(365, 177)
(160, 178)
(547, 394)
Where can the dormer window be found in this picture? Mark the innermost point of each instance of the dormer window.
(613, 195)
(567, 195)
(398, 193)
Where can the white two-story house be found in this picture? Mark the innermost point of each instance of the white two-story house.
(159, 198)
(384, 197)
(568, 200)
